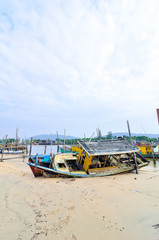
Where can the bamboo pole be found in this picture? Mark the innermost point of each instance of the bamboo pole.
(26, 144)
(45, 149)
(84, 137)
(152, 150)
(57, 141)
(91, 137)
(64, 139)
(51, 142)
(31, 142)
(16, 140)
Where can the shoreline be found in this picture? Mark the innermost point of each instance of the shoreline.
(118, 207)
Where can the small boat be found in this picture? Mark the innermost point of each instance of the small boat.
(65, 149)
(91, 159)
(10, 148)
(12, 151)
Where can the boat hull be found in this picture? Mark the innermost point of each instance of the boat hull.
(13, 152)
(150, 155)
(67, 150)
(36, 171)
(39, 170)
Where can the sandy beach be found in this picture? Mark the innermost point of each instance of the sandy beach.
(117, 207)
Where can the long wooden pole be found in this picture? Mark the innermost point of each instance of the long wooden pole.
(57, 141)
(84, 137)
(45, 149)
(132, 143)
(152, 150)
(91, 137)
(51, 142)
(26, 144)
(31, 141)
(16, 141)
(64, 139)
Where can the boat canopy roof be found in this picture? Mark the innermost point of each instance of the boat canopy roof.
(106, 147)
(147, 144)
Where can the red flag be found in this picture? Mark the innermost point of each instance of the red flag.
(158, 114)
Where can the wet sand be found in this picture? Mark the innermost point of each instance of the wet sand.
(117, 207)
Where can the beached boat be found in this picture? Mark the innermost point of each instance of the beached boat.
(92, 159)
(39, 160)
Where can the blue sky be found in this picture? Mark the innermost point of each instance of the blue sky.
(78, 65)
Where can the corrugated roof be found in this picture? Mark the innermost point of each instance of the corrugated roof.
(108, 147)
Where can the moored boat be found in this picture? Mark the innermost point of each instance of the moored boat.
(65, 149)
(12, 148)
(146, 149)
(13, 151)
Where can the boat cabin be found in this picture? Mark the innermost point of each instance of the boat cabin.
(105, 154)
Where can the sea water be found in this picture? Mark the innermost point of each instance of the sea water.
(39, 149)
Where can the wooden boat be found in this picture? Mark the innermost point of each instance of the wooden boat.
(13, 151)
(11, 148)
(92, 159)
(146, 149)
(65, 149)
(40, 160)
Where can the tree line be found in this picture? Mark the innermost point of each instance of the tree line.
(74, 141)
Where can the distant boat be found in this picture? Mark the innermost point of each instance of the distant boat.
(13, 151)
(12, 148)
(65, 149)
(146, 149)
(92, 159)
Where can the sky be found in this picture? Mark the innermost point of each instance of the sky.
(78, 65)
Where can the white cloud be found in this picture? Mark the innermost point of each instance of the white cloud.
(76, 59)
